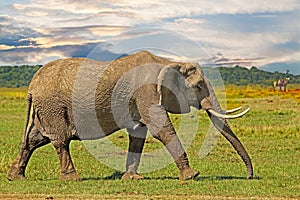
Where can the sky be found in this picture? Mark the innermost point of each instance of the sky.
(230, 32)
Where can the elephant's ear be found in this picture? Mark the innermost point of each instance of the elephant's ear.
(171, 86)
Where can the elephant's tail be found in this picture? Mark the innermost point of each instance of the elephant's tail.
(28, 108)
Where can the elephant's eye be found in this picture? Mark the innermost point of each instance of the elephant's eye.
(199, 86)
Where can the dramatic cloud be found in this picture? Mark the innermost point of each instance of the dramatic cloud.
(269, 37)
(76, 35)
(243, 32)
(35, 56)
(22, 43)
(14, 33)
(118, 12)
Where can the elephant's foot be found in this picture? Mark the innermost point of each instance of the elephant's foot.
(71, 176)
(15, 176)
(131, 175)
(14, 173)
(188, 173)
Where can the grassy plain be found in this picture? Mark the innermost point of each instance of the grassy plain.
(270, 133)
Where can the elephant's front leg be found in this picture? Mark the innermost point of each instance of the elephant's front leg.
(136, 143)
(161, 128)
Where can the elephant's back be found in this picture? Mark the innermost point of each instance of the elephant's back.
(55, 76)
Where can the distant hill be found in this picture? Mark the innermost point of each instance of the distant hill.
(292, 67)
(20, 76)
(242, 76)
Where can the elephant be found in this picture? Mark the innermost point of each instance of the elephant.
(170, 87)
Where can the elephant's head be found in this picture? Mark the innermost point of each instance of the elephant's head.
(182, 85)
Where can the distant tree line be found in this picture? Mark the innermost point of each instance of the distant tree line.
(17, 76)
(20, 76)
(242, 76)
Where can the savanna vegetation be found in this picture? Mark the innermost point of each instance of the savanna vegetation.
(270, 133)
(20, 76)
(16, 76)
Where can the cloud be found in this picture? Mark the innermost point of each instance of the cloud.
(221, 60)
(5, 47)
(158, 10)
(243, 36)
(190, 21)
(204, 7)
(52, 14)
(256, 32)
(19, 34)
(120, 12)
(12, 31)
(34, 56)
(22, 43)
(70, 6)
(75, 35)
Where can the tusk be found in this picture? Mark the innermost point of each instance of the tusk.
(228, 116)
(231, 111)
(136, 126)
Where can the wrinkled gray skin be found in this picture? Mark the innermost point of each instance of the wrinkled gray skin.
(51, 93)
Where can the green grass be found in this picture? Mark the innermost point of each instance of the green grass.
(270, 133)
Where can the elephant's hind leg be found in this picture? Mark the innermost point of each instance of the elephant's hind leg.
(35, 140)
(68, 171)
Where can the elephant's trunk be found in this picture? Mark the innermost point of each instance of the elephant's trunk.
(225, 130)
(223, 127)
